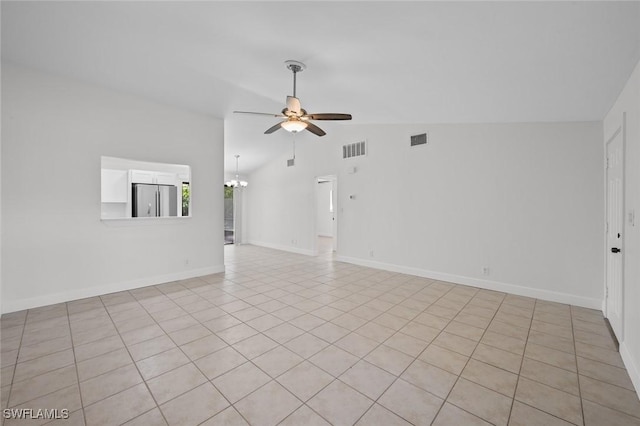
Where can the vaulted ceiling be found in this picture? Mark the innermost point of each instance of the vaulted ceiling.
(383, 62)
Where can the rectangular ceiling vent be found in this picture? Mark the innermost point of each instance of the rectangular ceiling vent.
(356, 149)
(419, 139)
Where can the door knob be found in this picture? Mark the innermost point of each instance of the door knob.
(615, 250)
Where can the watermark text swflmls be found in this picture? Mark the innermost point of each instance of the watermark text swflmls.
(36, 413)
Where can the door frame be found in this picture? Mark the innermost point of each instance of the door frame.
(334, 179)
(620, 130)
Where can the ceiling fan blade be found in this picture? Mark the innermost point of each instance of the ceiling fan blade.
(328, 116)
(293, 105)
(272, 129)
(259, 113)
(315, 129)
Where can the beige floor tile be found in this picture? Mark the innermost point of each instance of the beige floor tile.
(68, 397)
(597, 415)
(348, 321)
(45, 348)
(220, 362)
(524, 415)
(120, 407)
(236, 333)
(367, 379)
(327, 313)
(222, 323)
(550, 400)
(498, 358)
(432, 321)
(28, 369)
(208, 314)
(491, 377)
(377, 415)
(100, 387)
(161, 363)
(288, 313)
(391, 321)
(610, 396)
(605, 373)
(306, 345)
(389, 359)
(142, 334)
(334, 360)
(308, 321)
(241, 381)
(202, 347)
(43, 384)
(420, 331)
(375, 332)
(447, 360)
(455, 343)
(304, 416)
(480, 401)
(268, 406)
(411, 403)
(595, 339)
(406, 344)
(179, 323)
(189, 334)
(599, 354)
(276, 361)
(473, 320)
(283, 333)
(508, 330)
(90, 350)
(549, 375)
(175, 382)
(430, 378)
(248, 314)
(195, 406)
(464, 330)
(255, 346)
(506, 343)
(339, 404)
(151, 347)
(265, 322)
(150, 418)
(330, 332)
(227, 417)
(554, 357)
(451, 415)
(511, 319)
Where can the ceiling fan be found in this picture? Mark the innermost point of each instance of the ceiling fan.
(295, 117)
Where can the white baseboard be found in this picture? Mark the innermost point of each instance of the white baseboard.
(632, 367)
(283, 247)
(549, 295)
(66, 296)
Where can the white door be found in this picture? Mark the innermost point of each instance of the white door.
(615, 231)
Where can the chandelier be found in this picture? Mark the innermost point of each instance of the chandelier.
(235, 183)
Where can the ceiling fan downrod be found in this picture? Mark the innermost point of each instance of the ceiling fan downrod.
(295, 67)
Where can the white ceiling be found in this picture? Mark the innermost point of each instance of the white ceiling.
(383, 62)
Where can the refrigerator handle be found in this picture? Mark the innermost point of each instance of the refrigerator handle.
(149, 210)
(158, 202)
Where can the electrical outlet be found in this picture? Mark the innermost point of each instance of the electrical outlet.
(485, 270)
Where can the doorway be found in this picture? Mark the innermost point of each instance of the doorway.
(326, 215)
(614, 285)
(229, 228)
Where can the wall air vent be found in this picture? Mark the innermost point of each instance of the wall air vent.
(419, 139)
(356, 149)
(291, 162)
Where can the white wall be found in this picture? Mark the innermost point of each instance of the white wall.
(629, 102)
(55, 247)
(524, 200)
(324, 222)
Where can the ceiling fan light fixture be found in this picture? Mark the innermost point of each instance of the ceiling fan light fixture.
(294, 126)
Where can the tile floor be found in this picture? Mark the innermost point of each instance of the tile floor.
(296, 340)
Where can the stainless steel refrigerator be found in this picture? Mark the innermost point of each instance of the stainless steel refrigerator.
(154, 200)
